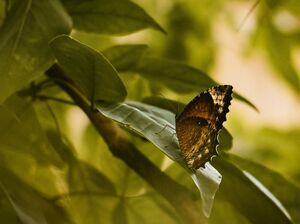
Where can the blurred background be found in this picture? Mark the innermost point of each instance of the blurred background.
(252, 45)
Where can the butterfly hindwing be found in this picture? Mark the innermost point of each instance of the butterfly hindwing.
(198, 125)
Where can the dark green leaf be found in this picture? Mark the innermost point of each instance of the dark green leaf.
(125, 57)
(167, 104)
(24, 36)
(280, 56)
(248, 196)
(21, 133)
(30, 205)
(115, 17)
(284, 190)
(175, 75)
(82, 177)
(245, 100)
(89, 69)
(225, 139)
(178, 77)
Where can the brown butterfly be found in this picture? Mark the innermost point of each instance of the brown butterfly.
(198, 125)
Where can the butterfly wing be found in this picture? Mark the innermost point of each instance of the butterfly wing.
(198, 125)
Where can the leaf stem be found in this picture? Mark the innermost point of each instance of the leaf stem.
(183, 201)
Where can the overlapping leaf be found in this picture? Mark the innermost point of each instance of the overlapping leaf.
(125, 57)
(115, 17)
(157, 125)
(21, 133)
(90, 70)
(24, 36)
(248, 196)
(287, 192)
(30, 205)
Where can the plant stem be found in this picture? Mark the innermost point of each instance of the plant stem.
(183, 201)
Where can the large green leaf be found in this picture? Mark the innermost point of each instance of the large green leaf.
(248, 195)
(92, 198)
(31, 206)
(287, 192)
(24, 36)
(115, 17)
(157, 125)
(175, 75)
(280, 56)
(125, 57)
(82, 177)
(90, 70)
(21, 133)
(178, 76)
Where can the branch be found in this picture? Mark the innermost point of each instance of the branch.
(183, 201)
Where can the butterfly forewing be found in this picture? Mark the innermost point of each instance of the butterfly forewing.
(198, 125)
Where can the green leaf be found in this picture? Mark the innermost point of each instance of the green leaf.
(30, 205)
(133, 198)
(82, 177)
(157, 125)
(115, 17)
(171, 105)
(280, 56)
(178, 76)
(7, 212)
(85, 183)
(90, 70)
(125, 57)
(24, 36)
(248, 196)
(225, 139)
(21, 133)
(284, 190)
(175, 75)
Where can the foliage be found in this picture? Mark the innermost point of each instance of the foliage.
(57, 168)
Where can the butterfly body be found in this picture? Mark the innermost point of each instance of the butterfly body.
(198, 125)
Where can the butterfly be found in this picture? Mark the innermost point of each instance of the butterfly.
(198, 125)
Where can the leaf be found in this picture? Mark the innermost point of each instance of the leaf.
(125, 57)
(175, 75)
(90, 70)
(171, 105)
(157, 125)
(114, 17)
(280, 56)
(178, 77)
(30, 205)
(82, 177)
(248, 196)
(130, 196)
(21, 133)
(24, 36)
(85, 183)
(225, 139)
(287, 193)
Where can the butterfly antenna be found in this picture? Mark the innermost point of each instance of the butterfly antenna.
(248, 14)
